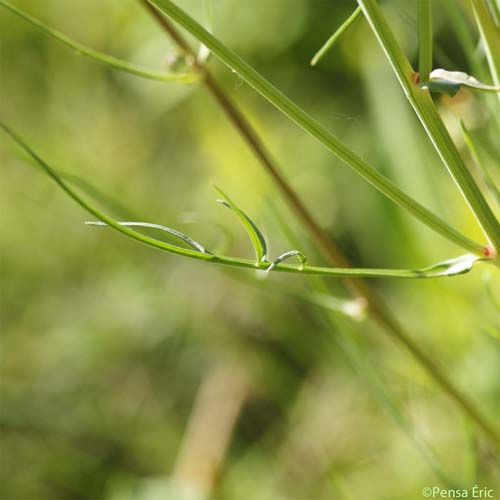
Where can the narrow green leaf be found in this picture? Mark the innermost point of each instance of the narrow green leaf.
(99, 56)
(307, 122)
(258, 241)
(192, 243)
(302, 259)
(450, 82)
(331, 41)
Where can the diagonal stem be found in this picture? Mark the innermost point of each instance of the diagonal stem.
(378, 311)
(301, 118)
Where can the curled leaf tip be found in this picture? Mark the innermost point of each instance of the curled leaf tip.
(300, 256)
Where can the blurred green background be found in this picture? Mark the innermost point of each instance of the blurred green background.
(127, 373)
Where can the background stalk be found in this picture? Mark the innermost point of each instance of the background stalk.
(490, 34)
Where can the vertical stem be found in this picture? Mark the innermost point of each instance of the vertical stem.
(426, 111)
(424, 39)
(378, 311)
(490, 34)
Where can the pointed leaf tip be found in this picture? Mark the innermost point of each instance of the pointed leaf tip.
(332, 40)
(256, 237)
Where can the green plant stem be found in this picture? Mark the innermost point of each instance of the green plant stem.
(438, 270)
(99, 56)
(426, 111)
(333, 39)
(305, 121)
(379, 313)
(490, 34)
(424, 39)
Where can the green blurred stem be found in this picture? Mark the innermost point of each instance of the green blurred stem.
(424, 39)
(490, 34)
(426, 111)
(307, 122)
(333, 39)
(381, 314)
(99, 56)
(488, 180)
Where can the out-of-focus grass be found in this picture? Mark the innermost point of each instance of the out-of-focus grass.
(106, 344)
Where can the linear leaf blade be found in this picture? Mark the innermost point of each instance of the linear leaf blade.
(256, 237)
(192, 243)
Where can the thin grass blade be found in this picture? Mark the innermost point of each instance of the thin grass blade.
(99, 56)
(333, 39)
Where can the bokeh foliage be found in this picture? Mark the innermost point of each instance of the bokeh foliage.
(107, 345)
